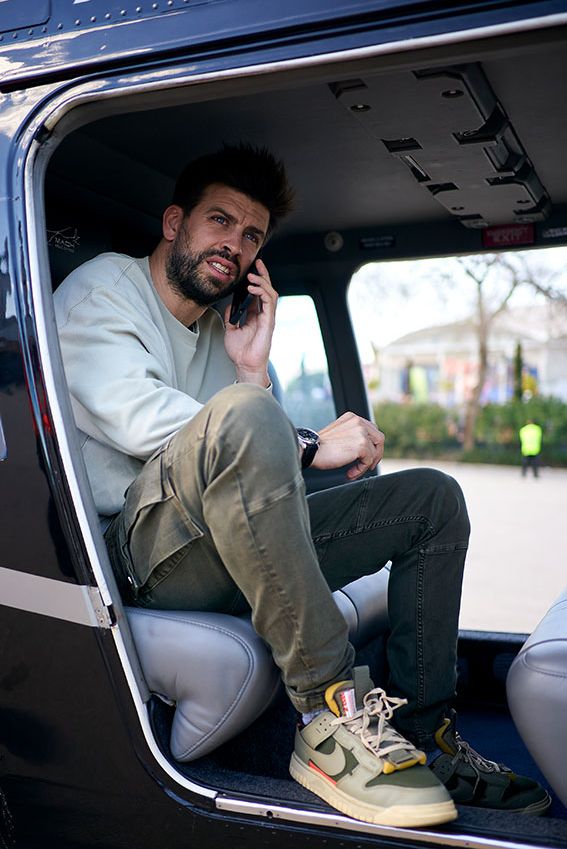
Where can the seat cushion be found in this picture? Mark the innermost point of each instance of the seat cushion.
(537, 695)
(214, 667)
(219, 673)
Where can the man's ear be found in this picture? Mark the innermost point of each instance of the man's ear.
(171, 222)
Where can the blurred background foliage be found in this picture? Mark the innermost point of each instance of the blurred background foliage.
(429, 430)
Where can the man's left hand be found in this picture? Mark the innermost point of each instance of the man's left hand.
(350, 439)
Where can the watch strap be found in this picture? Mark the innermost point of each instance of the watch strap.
(308, 454)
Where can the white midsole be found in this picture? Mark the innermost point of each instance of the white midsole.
(396, 815)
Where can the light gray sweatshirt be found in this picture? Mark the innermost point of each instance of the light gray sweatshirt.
(135, 373)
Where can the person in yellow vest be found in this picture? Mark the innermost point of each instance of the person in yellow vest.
(530, 443)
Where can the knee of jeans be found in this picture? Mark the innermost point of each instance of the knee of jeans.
(447, 500)
(245, 406)
(248, 417)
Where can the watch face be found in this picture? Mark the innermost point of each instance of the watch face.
(307, 435)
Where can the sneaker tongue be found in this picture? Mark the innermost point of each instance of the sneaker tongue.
(341, 698)
(363, 683)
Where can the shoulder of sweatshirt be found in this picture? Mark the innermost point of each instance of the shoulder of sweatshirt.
(117, 274)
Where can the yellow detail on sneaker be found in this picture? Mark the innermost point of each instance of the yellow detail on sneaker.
(389, 767)
(441, 743)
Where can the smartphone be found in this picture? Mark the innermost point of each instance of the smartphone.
(241, 300)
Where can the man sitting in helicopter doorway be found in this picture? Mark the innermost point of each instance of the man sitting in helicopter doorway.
(197, 474)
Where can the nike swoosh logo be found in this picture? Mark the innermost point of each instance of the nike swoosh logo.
(335, 762)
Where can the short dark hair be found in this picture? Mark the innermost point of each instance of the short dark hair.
(254, 171)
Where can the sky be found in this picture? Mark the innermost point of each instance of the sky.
(388, 300)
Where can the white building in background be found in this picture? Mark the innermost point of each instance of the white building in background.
(440, 363)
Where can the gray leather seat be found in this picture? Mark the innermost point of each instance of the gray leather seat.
(219, 673)
(537, 695)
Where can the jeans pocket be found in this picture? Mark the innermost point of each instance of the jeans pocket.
(156, 530)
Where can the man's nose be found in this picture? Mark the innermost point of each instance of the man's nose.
(233, 243)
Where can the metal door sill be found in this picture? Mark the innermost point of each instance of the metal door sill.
(337, 820)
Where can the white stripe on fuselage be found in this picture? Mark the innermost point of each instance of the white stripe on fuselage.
(49, 597)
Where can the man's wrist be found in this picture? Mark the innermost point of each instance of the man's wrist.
(258, 378)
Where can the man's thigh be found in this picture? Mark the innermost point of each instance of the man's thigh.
(164, 555)
(358, 527)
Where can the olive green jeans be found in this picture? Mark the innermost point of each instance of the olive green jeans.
(218, 520)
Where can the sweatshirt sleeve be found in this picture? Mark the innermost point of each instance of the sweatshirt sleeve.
(119, 370)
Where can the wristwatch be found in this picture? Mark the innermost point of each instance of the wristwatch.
(309, 441)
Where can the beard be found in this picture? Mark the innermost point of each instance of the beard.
(187, 275)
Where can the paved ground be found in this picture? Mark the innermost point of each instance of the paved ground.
(517, 561)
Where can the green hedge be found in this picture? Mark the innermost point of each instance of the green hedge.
(507, 456)
(429, 430)
(417, 430)
(498, 424)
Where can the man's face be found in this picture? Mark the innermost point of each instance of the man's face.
(216, 244)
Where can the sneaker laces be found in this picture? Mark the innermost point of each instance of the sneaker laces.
(379, 737)
(466, 754)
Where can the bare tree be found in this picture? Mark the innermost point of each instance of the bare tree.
(495, 278)
(387, 289)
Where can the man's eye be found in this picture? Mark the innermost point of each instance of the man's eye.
(219, 218)
(253, 237)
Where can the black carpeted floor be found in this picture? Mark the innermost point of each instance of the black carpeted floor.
(255, 764)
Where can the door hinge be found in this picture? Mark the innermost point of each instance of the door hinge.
(104, 615)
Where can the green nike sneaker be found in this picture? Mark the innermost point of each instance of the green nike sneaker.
(351, 757)
(474, 780)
